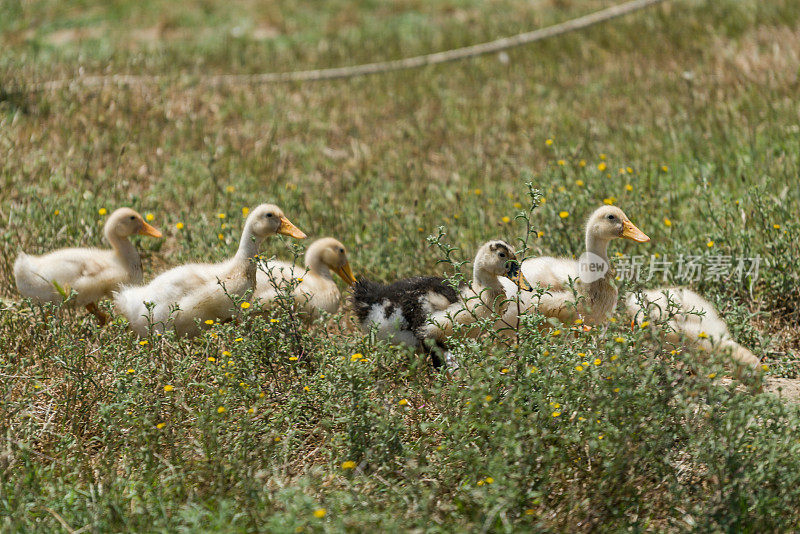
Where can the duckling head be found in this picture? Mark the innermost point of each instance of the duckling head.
(125, 222)
(497, 258)
(332, 254)
(610, 222)
(268, 219)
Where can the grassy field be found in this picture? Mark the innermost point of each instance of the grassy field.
(686, 116)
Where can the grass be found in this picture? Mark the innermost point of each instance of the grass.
(698, 99)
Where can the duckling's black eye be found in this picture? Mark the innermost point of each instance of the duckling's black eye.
(341, 251)
(611, 217)
(269, 214)
(133, 217)
(502, 254)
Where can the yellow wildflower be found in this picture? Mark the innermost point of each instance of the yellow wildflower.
(319, 513)
(221, 409)
(349, 464)
(563, 214)
(245, 305)
(602, 166)
(179, 226)
(168, 388)
(161, 425)
(403, 402)
(102, 211)
(149, 217)
(548, 142)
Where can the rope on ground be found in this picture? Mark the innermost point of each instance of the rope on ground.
(360, 70)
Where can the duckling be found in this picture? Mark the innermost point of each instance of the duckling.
(421, 311)
(316, 290)
(592, 275)
(707, 331)
(92, 273)
(201, 290)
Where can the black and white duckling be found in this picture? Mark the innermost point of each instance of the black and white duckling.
(421, 311)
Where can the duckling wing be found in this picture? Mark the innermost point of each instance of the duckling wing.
(550, 272)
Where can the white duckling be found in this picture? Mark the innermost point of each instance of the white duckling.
(689, 328)
(592, 275)
(203, 291)
(92, 273)
(316, 290)
(421, 311)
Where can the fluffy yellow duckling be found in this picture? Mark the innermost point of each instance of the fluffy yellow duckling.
(316, 290)
(92, 273)
(593, 275)
(202, 291)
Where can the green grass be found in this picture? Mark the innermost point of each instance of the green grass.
(646, 441)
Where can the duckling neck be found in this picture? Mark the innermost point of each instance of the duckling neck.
(597, 246)
(248, 249)
(317, 268)
(127, 254)
(486, 285)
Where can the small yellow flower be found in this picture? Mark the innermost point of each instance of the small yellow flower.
(664, 168)
(556, 333)
(602, 156)
(161, 425)
(597, 361)
(306, 388)
(420, 229)
(245, 305)
(230, 189)
(102, 211)
(518, 205)
(764, 367)
(319, 513)
(168, 388)
(555, 405)
(629, 169)
(710, 244)
(534, 369)
(540, 233)
(579, 368)
(489, 398)
(621, 170)
(506, 219)
(57, 212)
(555, 414)
(548, 142)
(619, 339)
(402, 402)
(130, 371)
(292, 358)
(143, 342)
(212, 359)
(503, 370)
(221, 409)
(356, 356)
(277, 438)
(561, 162)
(251, 410)
(610, 201)
(221, 215)
(628, 187)
(149, 217)
(582, 163)
(478, 192)
(245, 211)
(349, 464)
(776, 226)
(563, 214)
(644, 324)
(614, 357)
(601, 436)
(616, 390)
(579, 183)
(481, 483)
(179, 226)
(702, 335)
(220, 237)
(602, 166)
(667, 222)
(274, 320)
(712, 375)
(489, 480)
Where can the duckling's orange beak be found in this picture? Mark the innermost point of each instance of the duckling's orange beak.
(287, 228)
(346, 274)
(515, 275)
(629, 231)
(149, 230)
